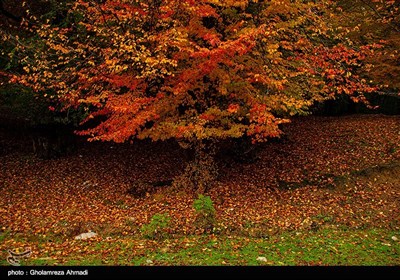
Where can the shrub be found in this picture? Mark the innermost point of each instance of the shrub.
(205, 213)
(157, 228)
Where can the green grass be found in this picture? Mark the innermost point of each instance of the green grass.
(346, 247)
(4, 235)
(327, 247)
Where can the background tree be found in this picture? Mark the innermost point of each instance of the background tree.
(33, 115)
(368, 22)
(195, 71)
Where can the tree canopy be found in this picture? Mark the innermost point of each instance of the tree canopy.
(206, 69)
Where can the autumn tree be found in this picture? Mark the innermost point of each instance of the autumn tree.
(368, 21)
(22, 110)
(196, 71)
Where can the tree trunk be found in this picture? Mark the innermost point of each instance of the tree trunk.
(52, 141)
(202, 171)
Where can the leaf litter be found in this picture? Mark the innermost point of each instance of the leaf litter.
(324, 172)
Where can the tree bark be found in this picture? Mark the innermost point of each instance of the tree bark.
(52, 142)
(202, 171)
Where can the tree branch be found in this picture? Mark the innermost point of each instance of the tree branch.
(378, 14)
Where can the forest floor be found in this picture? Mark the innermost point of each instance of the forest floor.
(327, 193)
